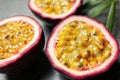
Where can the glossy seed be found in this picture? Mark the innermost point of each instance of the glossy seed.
(86, 54)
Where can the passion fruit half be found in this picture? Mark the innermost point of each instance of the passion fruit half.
(81, 47)
(18, 36)
(54, 9)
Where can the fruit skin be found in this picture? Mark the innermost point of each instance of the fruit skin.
(33, 8)
(28, 55)
(50, 49)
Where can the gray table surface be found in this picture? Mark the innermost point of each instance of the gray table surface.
(19, 7)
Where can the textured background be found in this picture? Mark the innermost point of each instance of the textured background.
(43, 70)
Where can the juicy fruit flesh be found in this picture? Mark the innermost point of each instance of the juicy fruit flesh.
(54, 7)
(81, 46)
(13, 37)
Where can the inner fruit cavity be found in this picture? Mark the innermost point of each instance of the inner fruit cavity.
(81, 46)
(54, 7)
(13, 37)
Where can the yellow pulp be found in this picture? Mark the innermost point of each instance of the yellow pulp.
(13, 37)
(54, 7)
(81, 46)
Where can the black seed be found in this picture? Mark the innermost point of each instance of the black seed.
(66, 64)
(94, 33)
(7, 37)
(80, 65)
(87, 52)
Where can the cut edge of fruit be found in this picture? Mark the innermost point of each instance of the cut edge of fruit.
(32, 43)
(34, 8)
(86, 73)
